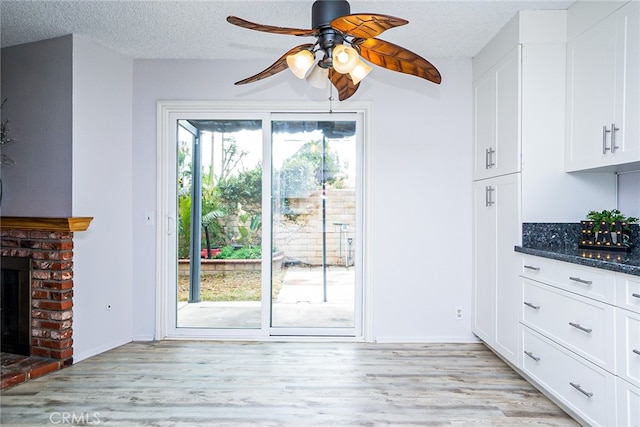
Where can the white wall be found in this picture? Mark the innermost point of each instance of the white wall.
(36, 80)
(102, 176)
(629, 193)
(420, 172)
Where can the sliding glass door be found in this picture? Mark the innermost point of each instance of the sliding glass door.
(268, 232)
(315, 225)
(219, 206)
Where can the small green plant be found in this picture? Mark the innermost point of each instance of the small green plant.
(246, 252)
(251, 234)
(610, 217)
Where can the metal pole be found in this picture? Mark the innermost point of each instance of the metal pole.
(196, 220)
(324, 221)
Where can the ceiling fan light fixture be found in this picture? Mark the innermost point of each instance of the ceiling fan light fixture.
(342, 38)
(300, 63)
(345, 58)
(360, 71)
(318, 77)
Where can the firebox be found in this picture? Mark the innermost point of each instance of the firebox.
(15, 305)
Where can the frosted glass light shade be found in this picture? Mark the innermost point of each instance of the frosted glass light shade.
(300, 63)
(360, 71)
(344, 58)
(318, 77)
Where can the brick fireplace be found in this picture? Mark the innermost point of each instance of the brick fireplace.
(48, 243)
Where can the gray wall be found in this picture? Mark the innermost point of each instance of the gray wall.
(70, 107)
(37, 81)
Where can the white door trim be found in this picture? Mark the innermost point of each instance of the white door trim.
(166, 226)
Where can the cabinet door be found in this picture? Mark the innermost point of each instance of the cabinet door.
(484, 259)
(507, 137)
(508, 293)
(603, 93)
(628, 404)
(627, 112)
(484, 117)
(496, 119)
(495, 270)
(628, 346)
(590, 96)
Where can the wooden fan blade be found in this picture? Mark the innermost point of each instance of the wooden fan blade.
(365, 25)
(270, 29)
(343, 84)
(396, 58)
(276, 67)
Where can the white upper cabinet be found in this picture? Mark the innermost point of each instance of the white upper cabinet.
(603, 94)
(496, 118)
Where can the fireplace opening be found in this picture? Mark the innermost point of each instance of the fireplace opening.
(15, 305)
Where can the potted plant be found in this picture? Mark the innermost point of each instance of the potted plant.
(608, 228)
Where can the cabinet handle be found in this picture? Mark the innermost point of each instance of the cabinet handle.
(530, 267)
(605, 131)
(582, 328)
(635, 295)
(577, 387)
(488, 158)
(535, 307)
(613, 137)
(579, 280)
(636, 351)
(530, 354)
(488, 191)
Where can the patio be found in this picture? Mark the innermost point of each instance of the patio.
(299, 303)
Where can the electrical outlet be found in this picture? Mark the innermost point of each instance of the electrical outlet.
(459, 314)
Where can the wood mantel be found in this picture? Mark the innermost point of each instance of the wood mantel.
(73, 224)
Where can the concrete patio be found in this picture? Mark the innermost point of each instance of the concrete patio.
(299, 303)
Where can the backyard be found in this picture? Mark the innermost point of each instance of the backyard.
(230, 285)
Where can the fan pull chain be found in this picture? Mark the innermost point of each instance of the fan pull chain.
(330, 98)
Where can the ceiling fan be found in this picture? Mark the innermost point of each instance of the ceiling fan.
(342, 40)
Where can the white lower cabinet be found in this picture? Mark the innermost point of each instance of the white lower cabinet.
(586, 281)
(628, 404)
(628, 292)
(581, 324)
(628, 354)
(580, 338)
(582, 386)
(494, 291)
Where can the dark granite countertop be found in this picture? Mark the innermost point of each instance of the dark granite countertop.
(622, 262)
(559, 241)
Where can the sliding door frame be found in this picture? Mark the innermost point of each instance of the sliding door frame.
(167, 114)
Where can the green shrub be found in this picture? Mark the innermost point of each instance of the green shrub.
(245, 252)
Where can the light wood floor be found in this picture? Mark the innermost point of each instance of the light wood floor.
(177, 383)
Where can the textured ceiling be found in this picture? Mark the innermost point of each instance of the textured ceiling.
(197, 29)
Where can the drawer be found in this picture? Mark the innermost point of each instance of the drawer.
(579, 384)
(583, 325)
(590, 282)
(628, 404)
(628, 292)
(628, 346)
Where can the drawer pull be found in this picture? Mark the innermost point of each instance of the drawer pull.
(577, 387)
(579, 280)
(535, 307)
(531, 267)
(635, 295)
(530, 354)
(582, 328)
(636, 351)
